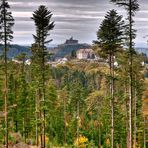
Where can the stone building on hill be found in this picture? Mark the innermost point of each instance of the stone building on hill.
(85, 54)
(71, 41)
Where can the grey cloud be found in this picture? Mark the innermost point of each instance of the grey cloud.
(78, 18)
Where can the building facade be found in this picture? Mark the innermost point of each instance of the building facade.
(85, 54)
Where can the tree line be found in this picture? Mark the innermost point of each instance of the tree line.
(78, 104)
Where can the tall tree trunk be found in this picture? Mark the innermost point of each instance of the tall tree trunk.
(111, 62)
(6, 80)
(131, 75)
(113, 115)
(64, 101)
(127, 115)
(37, 112)
(135, 117)
(78, 116)
(130, 115)
(26, 114)
(43, 81)
(16, 109)
(144, 132)
(25, 123)
(23, 131)
(40, 117)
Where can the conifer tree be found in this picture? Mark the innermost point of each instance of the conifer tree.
(131, 7)
(110, 38)
(6, 24)
(42, 19)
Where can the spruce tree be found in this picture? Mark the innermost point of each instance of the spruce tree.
(42, 19)
(6, 24)
(131, 7)
(110, 38)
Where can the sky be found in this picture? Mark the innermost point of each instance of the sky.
(78, 18)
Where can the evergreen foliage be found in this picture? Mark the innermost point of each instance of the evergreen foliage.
(79, 103)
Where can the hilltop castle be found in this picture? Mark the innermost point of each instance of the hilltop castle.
(71, 41)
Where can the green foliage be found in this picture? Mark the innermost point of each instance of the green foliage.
(6, 34)
(73, 101)
(42, 19)
(111, 32)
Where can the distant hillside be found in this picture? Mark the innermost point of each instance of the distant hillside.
(59, 52)
(15, 50)
(142, 50)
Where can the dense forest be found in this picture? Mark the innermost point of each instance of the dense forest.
(81, 103)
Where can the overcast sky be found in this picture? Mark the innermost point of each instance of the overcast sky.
(77, 18)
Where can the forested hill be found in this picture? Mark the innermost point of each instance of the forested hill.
(59, 51)
(15, 50)
(66, 49)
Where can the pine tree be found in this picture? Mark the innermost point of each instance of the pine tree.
(6, 24)
(110, 38)
(131, 6)
(42, 18)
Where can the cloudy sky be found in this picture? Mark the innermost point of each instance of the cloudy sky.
(77, 18)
